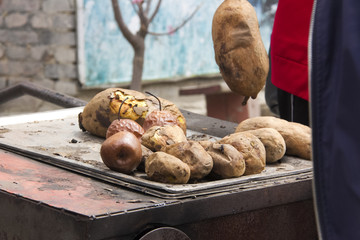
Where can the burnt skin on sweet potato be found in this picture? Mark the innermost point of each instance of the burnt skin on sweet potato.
(156, 138)
(103, 109)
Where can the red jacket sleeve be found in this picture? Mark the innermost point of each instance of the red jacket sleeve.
(289, 47)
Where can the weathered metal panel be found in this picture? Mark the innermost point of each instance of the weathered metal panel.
(65, 190)
(37, 199)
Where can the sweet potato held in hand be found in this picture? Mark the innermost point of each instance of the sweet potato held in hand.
(239, 50)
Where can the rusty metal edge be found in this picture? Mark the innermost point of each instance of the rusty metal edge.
(164, 193)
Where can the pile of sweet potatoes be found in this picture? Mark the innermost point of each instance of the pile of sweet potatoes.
(168, 156)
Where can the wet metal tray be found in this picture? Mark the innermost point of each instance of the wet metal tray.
(55, 138)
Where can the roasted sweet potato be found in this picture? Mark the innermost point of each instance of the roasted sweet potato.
(194, 155)
(155, 138)
(274, 143)
(146, 152)
(297, 136)
(251, 148)
(239, 50)
(103, 108)
(228, 161)
(165, 168)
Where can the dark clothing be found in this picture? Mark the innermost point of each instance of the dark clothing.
(289, 61)
(271, 96)
(293, 108)
(335, 117)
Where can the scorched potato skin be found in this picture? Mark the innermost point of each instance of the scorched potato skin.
(239, 50)
(273, 142)
(165, 168)
(96, 116)
(103, 109)
(251, 148)
(194, 155)
(228, 161)
(297, 136)
(156, 138)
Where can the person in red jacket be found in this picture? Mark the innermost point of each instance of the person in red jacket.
(289, 59)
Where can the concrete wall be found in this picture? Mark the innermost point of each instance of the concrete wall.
(37, 44)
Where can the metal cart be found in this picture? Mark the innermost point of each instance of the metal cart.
(53, 185)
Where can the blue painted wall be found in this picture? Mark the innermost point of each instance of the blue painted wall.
(187, 52)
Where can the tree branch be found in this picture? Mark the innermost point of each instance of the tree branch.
(124, 29)
(143, 18)
(155, 11)
(178, 27)
(133, 5)
(147, 9)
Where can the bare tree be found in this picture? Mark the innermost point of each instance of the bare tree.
(137, 41)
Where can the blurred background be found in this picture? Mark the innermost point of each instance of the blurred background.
(75, 47)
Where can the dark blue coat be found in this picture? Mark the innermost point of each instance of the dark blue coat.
(335, 116)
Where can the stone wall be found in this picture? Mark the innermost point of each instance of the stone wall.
(37, 44)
